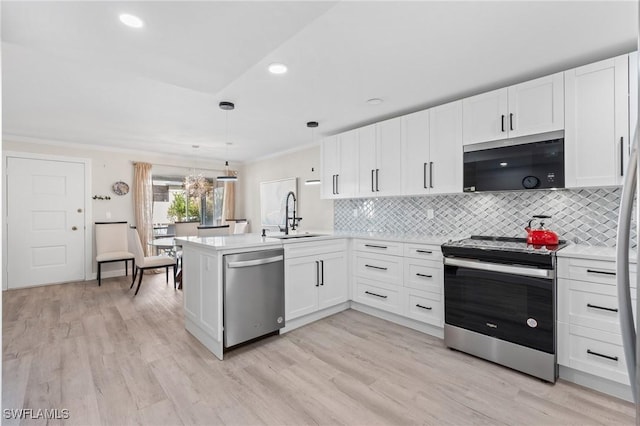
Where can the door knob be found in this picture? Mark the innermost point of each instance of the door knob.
(74, 228)
(79, 210)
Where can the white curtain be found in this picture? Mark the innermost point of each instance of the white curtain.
(143, 203)
(229, 199)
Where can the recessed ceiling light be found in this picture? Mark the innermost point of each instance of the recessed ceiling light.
(504, 164)
(131, 20)
(277, 68)
(374, 101)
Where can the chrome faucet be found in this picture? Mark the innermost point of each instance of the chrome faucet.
(286, 214)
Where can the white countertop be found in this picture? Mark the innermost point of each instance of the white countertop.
(593, 253)
(231, 242)
(251, 241)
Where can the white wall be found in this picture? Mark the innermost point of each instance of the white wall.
(316, 214)
(109, 167)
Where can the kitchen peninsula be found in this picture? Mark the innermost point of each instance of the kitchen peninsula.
(203, 282)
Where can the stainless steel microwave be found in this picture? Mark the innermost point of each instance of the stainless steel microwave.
(524, 164)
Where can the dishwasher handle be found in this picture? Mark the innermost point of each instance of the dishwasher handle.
(256, 262)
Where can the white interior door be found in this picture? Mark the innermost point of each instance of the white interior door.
(45, 222)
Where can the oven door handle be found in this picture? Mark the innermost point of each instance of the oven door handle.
(497, 267)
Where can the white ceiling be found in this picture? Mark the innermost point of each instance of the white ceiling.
(73, 73)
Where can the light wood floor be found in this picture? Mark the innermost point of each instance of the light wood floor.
(114, 359)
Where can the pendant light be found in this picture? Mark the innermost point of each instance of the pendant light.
(312, 125)
(227, 106)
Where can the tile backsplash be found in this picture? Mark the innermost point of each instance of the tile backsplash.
(584, 216)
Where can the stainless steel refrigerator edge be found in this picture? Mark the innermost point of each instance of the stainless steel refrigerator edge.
(629, 191)
(253, 295)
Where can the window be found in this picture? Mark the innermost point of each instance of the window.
(170, 204)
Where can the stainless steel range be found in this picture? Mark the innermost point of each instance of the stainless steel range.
(500, 302)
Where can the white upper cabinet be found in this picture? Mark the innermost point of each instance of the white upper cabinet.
(415, 153)
(528, 108)
(339, 165)
(432, 150)
(445, 148)
(379, 159)
(597, 123)
(329, 166)
(484, 117)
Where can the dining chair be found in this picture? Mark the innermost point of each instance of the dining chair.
(112, 246)
(186, 229)
(148, 262)
(209, 231)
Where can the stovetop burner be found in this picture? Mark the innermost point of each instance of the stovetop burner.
(505, 244)
(507, 250)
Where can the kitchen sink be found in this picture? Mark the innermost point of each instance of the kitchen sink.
(291, 237)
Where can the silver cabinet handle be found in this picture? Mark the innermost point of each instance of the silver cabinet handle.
(256, 262)
(317, 273)
(377, 190)
(337, 184)
(322, 272)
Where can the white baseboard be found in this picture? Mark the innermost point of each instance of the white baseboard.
(400, 320)
(596, 383)
(308, 319)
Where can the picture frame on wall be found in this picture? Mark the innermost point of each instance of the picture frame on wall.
(273, 196)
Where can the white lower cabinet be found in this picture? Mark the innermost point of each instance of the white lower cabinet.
(403, 278)
(588, 325)
(378, 294)
(315, 281)
(423, 306)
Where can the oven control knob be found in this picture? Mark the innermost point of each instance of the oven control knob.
(531, 322)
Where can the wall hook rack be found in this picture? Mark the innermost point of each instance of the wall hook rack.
(101, 197)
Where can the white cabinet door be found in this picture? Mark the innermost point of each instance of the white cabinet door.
(536, 106)
(596, 116)
(302, 279)
(334, 287)
(366, 161)
(388, 158)
(485, 117)
(347, 175)
(415, 153)
(330, 166)
(445, 149)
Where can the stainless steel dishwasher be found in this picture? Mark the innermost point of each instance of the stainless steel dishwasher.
(253, 295)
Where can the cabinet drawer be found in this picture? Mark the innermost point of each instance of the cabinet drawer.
(387, 269)
(377, 295)
(378, 247)
(293, 250)
(590, 305)
(423, 306)
(423, 275)
(423, 251)
(596, 271)
(598, 353)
